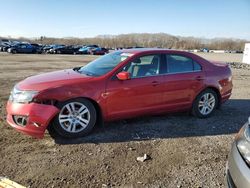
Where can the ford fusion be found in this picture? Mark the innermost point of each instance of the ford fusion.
(119, 85)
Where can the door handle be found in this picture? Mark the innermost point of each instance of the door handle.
(155, 83)
(199, 78)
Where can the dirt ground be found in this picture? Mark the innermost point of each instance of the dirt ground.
(185, 151)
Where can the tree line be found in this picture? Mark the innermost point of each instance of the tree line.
(161, 40)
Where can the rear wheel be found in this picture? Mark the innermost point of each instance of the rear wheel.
(76, 118)
(205, 103)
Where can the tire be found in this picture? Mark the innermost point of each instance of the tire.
(14, 51)
(76, 118)
(205, 104)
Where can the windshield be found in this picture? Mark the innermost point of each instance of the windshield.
(104, 64)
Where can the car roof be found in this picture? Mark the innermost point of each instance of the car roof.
(149, 50)
(142, 51)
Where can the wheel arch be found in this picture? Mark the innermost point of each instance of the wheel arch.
(99, 120)
(195, 105)
(216, 90)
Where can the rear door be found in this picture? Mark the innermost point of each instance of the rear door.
(182, 80)
(138, 95)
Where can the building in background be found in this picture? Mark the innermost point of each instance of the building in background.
(246, 55)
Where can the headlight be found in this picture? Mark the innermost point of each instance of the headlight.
(243, 141)
(19, 96)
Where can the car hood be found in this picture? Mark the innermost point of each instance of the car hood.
(52, 80)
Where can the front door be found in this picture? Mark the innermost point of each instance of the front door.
(138, 95)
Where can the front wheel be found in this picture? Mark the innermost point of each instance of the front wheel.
(205, 103)
(76, 118)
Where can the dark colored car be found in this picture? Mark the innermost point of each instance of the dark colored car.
(5, 46)
(66, 50)
(54, 48)
(46, 48)
(38, 47)
(98, 51)
(238, 167)
(50, 49)
(131, 47)
(22, 48)
(3, 43)
(122, 84)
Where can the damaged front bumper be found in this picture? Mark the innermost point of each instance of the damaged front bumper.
(31, 119)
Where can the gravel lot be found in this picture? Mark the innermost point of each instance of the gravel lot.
(184, 151)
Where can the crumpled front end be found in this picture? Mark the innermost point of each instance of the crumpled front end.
(31, 118)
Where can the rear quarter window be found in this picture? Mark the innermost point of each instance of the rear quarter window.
(197, 66)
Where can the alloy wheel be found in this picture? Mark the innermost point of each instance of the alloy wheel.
(207, 103)
(74, 117)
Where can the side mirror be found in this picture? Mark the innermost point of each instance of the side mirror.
(123, 75)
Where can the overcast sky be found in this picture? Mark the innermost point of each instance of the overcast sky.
(88, 18)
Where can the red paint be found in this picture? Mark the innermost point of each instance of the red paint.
(37, 113)
(123, 97)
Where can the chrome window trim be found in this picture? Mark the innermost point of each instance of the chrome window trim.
(166, 74)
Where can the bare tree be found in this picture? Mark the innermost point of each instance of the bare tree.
(161, 40)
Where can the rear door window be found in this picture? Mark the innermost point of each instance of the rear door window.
(181, 64)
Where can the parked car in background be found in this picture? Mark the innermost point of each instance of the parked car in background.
(206, 50)
(119, 85)
(54, 48)
(4, 46)
(131, 47)
(238, 167)
(86, 49)
(98, 51)
(5, 41)
(38, 47)
(22, 48)
(46, 48)
(66, 50)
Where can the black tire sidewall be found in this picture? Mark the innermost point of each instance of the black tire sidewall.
(60, 131)
(195, 109)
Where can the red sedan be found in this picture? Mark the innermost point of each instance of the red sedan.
(122, 84)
